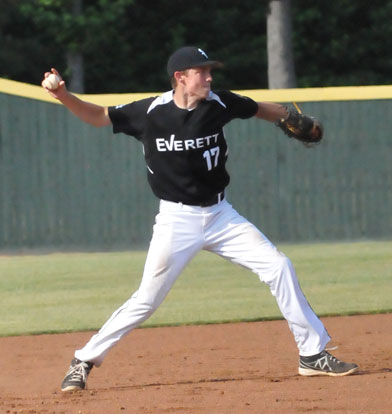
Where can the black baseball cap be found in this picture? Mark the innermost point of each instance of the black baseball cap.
(189, 57)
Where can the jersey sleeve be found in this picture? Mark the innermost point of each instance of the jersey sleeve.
(238, 106)
(130, 118)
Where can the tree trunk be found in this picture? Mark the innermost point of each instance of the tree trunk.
(76, 69)
(281, 72)
(75, 61)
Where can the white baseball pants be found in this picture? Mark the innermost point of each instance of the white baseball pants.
(180, 232)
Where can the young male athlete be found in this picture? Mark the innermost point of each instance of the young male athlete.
(185, 151)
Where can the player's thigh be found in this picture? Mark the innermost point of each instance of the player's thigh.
(243, 243)
(174, 243)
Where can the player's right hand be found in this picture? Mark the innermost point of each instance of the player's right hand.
(60, 90)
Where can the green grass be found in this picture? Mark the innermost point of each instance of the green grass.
(63, 292)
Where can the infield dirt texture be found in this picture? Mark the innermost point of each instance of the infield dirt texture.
(213, 369)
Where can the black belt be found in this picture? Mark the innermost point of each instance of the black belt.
(215, 199)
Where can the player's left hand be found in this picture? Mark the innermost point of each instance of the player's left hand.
(304, 128)
(317, 130)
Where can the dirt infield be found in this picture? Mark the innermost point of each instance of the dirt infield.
(238, 368)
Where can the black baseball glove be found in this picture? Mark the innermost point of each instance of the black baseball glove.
(304, 128)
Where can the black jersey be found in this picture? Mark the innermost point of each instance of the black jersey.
(185, 150)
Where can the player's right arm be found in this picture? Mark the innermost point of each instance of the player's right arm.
(88, 112)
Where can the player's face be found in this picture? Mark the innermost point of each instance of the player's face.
(197, 81)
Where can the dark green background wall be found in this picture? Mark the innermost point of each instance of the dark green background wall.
(66, 185)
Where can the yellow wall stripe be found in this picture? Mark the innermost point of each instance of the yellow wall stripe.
(344, 93)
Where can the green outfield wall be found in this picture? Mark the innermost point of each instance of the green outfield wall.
(66, 185)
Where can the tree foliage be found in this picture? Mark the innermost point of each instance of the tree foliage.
(343, 43)
(126, 43)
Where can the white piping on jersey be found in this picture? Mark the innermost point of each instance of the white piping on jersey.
(161, 100)
(149, 169)
(214, 97)
(224, 137)
(168, 97)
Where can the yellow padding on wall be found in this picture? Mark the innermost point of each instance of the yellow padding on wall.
(343, 93)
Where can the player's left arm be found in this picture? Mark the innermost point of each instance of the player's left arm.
(271, 111)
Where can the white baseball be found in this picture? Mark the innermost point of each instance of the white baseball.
(51, 82)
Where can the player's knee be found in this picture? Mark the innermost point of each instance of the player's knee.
(279, 265)
(281, 261)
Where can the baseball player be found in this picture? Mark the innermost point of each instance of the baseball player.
(186, 152)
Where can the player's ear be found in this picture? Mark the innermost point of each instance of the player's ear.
(179, 77)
